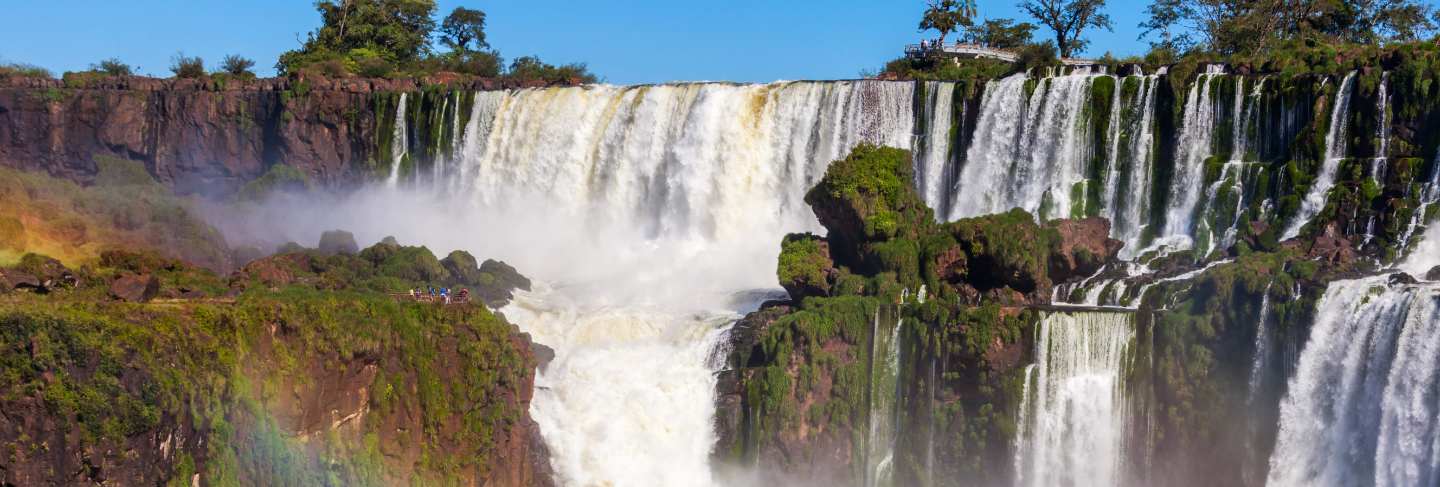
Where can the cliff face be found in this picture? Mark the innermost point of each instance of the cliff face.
(204, 136)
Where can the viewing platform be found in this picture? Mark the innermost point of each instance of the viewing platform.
(976, 51)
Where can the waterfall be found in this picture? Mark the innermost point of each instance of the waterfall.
(1382, 149)
(1072, 421)
(690, 159)
(1334, 152)
(1130, 173)
(1196, 144)
(1255, 387)
(884, 390)
(1027, 152)
(1363, 406)
(639, 189)
(1382, 130)
(399, 143)
(932, 163)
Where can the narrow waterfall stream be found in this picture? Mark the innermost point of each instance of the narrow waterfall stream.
(399, 142)
(1072, 422)
(1334, 151)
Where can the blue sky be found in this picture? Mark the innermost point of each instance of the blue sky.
(624, 41)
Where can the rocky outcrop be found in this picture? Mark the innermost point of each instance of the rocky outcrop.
(338, 242)
(798, 398)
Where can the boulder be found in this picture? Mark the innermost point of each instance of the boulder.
(1400, 278)
(1085, 245)
(1433, 274)
(543, 355)
(11, 279)
(135, 288)
(338, 242)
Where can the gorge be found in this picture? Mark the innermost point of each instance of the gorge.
(1047, 278)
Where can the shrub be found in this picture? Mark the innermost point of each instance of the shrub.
(531, 68)
(21, 70)
(237, 65)
(187, 66)
(112, 67)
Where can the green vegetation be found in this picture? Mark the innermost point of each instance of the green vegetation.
(111, 375)
(237, 66)
(1068, 20)
(815, 367)
(112, 67)
(187, 66)
(21, 70)
(947, 16)
(392, 38)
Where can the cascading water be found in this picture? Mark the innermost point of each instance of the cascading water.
(1027, 153)
(399, 143)
(1131, 164)
(1195, 145)
(661, 179)
(1363, 407)
(1334, 151)
(933, 170)
(1072, 420)
(884, 387)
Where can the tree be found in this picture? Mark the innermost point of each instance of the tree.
(1001, 34)
(398, 31)
(1069, 19)
(237, 65)
(112, 67)
(1246, 26)
(187, 66)
(531, 68)
(947, 16)
(463, 26)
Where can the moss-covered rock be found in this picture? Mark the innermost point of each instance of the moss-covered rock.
(290, 386)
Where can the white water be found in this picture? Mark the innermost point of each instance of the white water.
(884, 396)
(1334, 152)
(399, 143)
(1131, 169)
(664, 183)
(1196, 143)
(1362, 408)
(932, 162)
(1071, 423)
(1027, 153)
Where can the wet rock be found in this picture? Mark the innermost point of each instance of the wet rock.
(1399, 278)
(543, 355)
(1433, 274)
(1084, 246)
(135, 288)
(338, 242)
